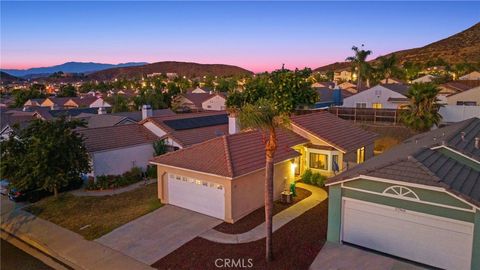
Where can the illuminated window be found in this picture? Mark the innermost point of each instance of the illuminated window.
(318, 161)
(220, 187)
(361, 105)
(377, 105)
(361, 155)
(198, 182)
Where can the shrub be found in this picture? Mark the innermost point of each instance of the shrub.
(307, 176)
(152, 171)
(115, 181)
(311, 178)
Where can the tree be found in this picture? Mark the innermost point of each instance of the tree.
(159, 147)
(264, 105)
(388, 67)
(21, 96)
(153, 97)
(421, 113)
(67, 90)
(46, 154)
(119, 104)
(360, 64)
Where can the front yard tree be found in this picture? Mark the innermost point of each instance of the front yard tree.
(422, 113)
(46, 154)
(265, 105)
(360, 64)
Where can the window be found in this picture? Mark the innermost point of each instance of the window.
(377, 105)
(360, 155)
(361, 105)
(318, 161)
(198, 182)
(467, 103)
(378, 92)
(335, 165)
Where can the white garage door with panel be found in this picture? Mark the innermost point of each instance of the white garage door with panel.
(427, 239)
(197, 195)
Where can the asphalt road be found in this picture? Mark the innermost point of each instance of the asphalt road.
(13, 258)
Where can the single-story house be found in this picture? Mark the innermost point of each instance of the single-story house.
(56, 103)
(343, 75)
(425, 79)
(117, 149)
(419, 201)
(141, 115)
(223, 177)
(382, 96)
(9, 118)
(469, 97)
(474, 75)
(202, 101)
(330, 97)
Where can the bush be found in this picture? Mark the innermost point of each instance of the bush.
(115, 181)
(311, 178)
(152, 171)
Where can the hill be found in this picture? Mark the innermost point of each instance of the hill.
(459, 48)
(69, 67)
(181, 68)
(6, 78)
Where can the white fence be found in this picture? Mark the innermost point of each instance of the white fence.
(457, 113)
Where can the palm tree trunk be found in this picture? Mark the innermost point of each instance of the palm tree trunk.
(270, 148)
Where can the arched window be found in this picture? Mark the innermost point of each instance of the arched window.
(402, 192)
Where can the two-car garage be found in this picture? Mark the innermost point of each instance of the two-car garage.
(428, 239)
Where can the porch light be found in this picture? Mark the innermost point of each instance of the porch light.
(293, 165)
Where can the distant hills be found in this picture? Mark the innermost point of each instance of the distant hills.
(6, 78)
(69, 67)
(459, 48)
(181, 68)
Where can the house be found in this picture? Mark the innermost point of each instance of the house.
(140, 115)
(419, 201)
(350, 87)
(391, 80)
(474, 75)
(382, 96)
(117, 149)
(202, 101)
(104, 120)
(342, 75)
(450, 88)
(223, 177)
(9, 118)
(469, 97)
(34, 102)
(324, 85)
(330, 97)
(424, 79)
(199, 90)
(56, 103)
(184, 130)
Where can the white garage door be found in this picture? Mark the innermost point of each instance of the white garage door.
(431, 240)
(197, 195)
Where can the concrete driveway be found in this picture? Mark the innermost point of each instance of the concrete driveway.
(155, 235)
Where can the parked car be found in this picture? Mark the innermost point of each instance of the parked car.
(4, 183)
(35, 194)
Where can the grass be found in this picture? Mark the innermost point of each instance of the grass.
(93, 217)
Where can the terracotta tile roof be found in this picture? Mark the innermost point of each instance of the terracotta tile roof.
(106, 138)
(84, 101)
(188, 137)
(337, 132)
(231, 155)
(397, 87)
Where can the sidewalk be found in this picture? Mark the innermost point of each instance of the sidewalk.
(98, 193)
(280, 219)
(64, 245)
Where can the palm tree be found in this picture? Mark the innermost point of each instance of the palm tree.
(421, 113)
(360, 64)
(388, 67)
(265, 117)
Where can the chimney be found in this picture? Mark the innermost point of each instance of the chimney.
(477, 142)
(146, 111)
(233, 126)
(102, 110)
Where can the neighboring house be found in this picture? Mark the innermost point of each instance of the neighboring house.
(199, 90)
(350, 87)
(117, 149)
(323, 85)
(382, 96)
(34, 102)
(450, 88)
(419, 201)
(469, 97)
(330, 97)
(140, 115)
(342, 75)
(203, 101)
(184, 130)
(474, 75)
(13, 117)
(56, 103)
(424, 79)
(104, 120)
(223, 177)
(392, 80)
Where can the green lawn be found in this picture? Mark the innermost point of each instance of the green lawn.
(93, 217)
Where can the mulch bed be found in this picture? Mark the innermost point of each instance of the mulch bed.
(257, 217)
(296, 245)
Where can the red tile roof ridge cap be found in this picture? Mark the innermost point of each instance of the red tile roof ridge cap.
(117, 126)
(228, 158)
(187, 148)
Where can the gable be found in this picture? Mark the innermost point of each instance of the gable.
(372, 93)
(47, 103)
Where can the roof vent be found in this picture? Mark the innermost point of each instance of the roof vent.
(463, 136)
(477, 142)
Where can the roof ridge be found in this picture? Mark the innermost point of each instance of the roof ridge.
(423, 167)
(228, 155)
(116, 126)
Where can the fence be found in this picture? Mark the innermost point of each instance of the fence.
(367, 114)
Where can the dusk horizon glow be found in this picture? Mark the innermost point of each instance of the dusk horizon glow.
(258, 36)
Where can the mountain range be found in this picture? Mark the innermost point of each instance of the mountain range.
(69, 67)
(459, 48)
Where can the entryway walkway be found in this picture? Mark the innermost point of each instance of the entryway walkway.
(318, 195)
(155, 235)
(335, 256)
(109, 192)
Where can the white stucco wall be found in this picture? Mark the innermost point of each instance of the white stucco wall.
(99, 103)
(216, 103)
(472, 95)
(118, 161)
(376, 94)
(154, 129)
